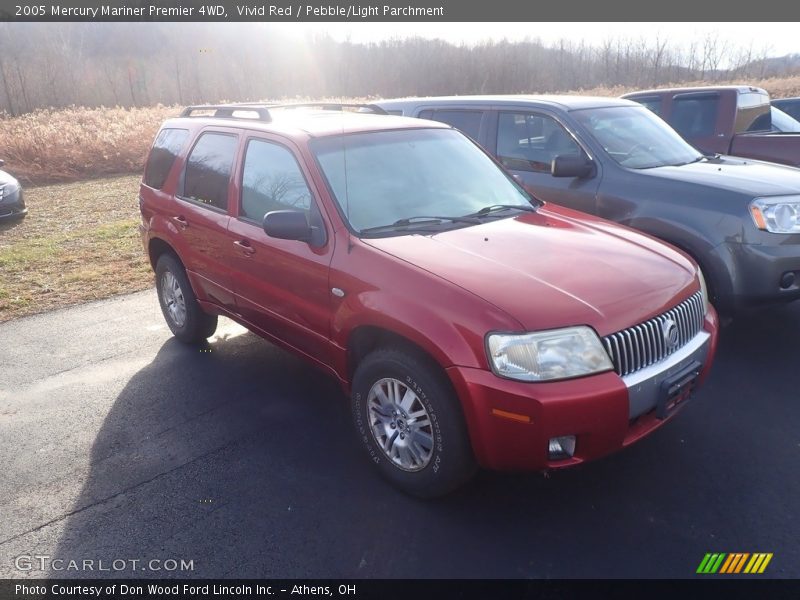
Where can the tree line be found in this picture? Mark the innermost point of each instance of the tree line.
(141, 64)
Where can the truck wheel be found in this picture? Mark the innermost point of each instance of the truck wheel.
(183, 314)
(409, 421)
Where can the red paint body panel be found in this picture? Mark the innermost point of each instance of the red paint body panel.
(443, 292)
(775, 147)
(543, 257)
(593, 408)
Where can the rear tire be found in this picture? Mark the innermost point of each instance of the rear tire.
(410, 422)
(187, 321)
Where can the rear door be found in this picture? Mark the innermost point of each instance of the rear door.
(526, 142)
(281, 286)
(703, 119)
(200, 215)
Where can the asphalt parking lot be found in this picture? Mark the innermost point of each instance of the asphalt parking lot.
(120, 443)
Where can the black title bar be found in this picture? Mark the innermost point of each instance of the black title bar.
(395, 10)
(345, 589)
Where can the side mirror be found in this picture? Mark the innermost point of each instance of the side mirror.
(570, 165)
(288, 225)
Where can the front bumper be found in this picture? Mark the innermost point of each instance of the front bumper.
(760, 268)
(511, 422)
(13, 206)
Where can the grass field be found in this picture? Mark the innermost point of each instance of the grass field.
(79, 242)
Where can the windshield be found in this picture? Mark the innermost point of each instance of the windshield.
(783, 123)
(384, 177)
(634, 137)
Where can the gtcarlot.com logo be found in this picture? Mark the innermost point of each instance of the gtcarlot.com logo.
(44, 562)
(737, 562)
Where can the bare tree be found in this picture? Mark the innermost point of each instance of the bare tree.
(135, 64)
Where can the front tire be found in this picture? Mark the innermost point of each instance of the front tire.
(410, 422)
(187, 321)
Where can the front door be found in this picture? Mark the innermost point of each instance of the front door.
(526, 143)
(281, 286)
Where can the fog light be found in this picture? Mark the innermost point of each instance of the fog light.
(787, 280)
(561, 447)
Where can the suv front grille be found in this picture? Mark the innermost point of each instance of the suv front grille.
(647, 343)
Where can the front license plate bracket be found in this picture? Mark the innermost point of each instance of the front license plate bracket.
(676, 390)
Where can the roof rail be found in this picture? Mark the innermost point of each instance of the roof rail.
(340, 106)
(226, 111)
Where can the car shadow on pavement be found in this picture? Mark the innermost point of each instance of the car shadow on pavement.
(241, 460)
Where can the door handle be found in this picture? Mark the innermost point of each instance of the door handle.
(245, 247)
(181, 221)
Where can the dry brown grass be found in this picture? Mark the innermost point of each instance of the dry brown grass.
(79, 242)
(79, 143)
(51, 146)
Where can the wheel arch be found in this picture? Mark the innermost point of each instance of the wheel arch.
(366, 338)
(716, 267)
(157, 247)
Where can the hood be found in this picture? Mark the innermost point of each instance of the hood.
(743, 176)
(553, 269)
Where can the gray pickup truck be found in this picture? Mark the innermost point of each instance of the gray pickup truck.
(739, 219)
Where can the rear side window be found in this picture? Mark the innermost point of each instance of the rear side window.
(271, 180)
(467, 121)
(166, 148)
(694, 115)
(208, 170)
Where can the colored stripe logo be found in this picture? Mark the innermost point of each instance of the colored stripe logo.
(737, 562)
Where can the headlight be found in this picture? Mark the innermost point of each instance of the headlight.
(780, 214)
(547, 355)
(8, 189)
(703, 290)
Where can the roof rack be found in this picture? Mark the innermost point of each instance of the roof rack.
(226, 111)
(340, 106)
(261, 110)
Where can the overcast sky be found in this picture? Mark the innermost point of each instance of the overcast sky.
(779, 38)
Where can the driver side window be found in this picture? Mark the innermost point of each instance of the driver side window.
(271, 180)
(529, 141)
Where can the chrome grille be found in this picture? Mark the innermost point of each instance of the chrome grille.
(644, 344)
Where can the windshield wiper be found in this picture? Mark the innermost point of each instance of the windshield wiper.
(690, 162)
(498, 207)
(420, 221)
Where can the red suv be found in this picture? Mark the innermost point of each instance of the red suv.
(470, 323)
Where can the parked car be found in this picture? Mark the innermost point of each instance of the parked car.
(471, 324)
(782, 122)
(732, 120)
(12, 202)
(613, 158)
(791, 106)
